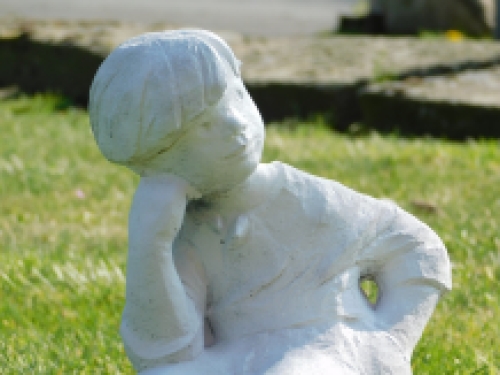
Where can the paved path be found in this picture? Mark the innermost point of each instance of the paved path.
(253, 17)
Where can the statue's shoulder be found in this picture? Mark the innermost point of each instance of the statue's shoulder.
(301, 183)
(325, 198)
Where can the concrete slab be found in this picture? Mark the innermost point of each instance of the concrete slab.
(459, 105)
(304, 76)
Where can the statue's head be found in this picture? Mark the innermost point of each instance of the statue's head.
(174, 102)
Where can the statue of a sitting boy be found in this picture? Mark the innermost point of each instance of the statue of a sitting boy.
(242, 268)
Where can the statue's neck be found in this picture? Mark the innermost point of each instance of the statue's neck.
(255, 190)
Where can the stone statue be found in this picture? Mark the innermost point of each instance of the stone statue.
(236, 267)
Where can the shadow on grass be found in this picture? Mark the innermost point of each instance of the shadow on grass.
(32, 66)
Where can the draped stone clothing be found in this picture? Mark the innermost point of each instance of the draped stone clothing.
(279, 284)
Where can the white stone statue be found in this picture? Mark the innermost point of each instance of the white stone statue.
(241, 268)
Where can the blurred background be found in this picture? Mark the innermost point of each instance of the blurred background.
(254, 17)
(274, 17)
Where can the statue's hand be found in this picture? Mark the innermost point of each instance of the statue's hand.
(158, 208)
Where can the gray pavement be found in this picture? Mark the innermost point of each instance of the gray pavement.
(251, 17)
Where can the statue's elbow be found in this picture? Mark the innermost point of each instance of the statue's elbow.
(439, 265)
(150, 351)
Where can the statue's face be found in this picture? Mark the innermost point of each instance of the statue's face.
(225, 147)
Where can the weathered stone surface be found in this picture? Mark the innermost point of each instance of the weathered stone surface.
(237, 267)
(458, 106)
(475, 17)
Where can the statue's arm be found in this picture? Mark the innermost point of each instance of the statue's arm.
(412, 270)
(160, 322)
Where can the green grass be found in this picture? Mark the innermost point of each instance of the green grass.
(63, 213)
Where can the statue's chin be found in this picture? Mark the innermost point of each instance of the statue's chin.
(226, 174)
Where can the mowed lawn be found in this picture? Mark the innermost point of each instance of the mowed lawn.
(63, 240)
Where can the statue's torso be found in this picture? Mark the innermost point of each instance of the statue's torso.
(285, 263)
(283, 278)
